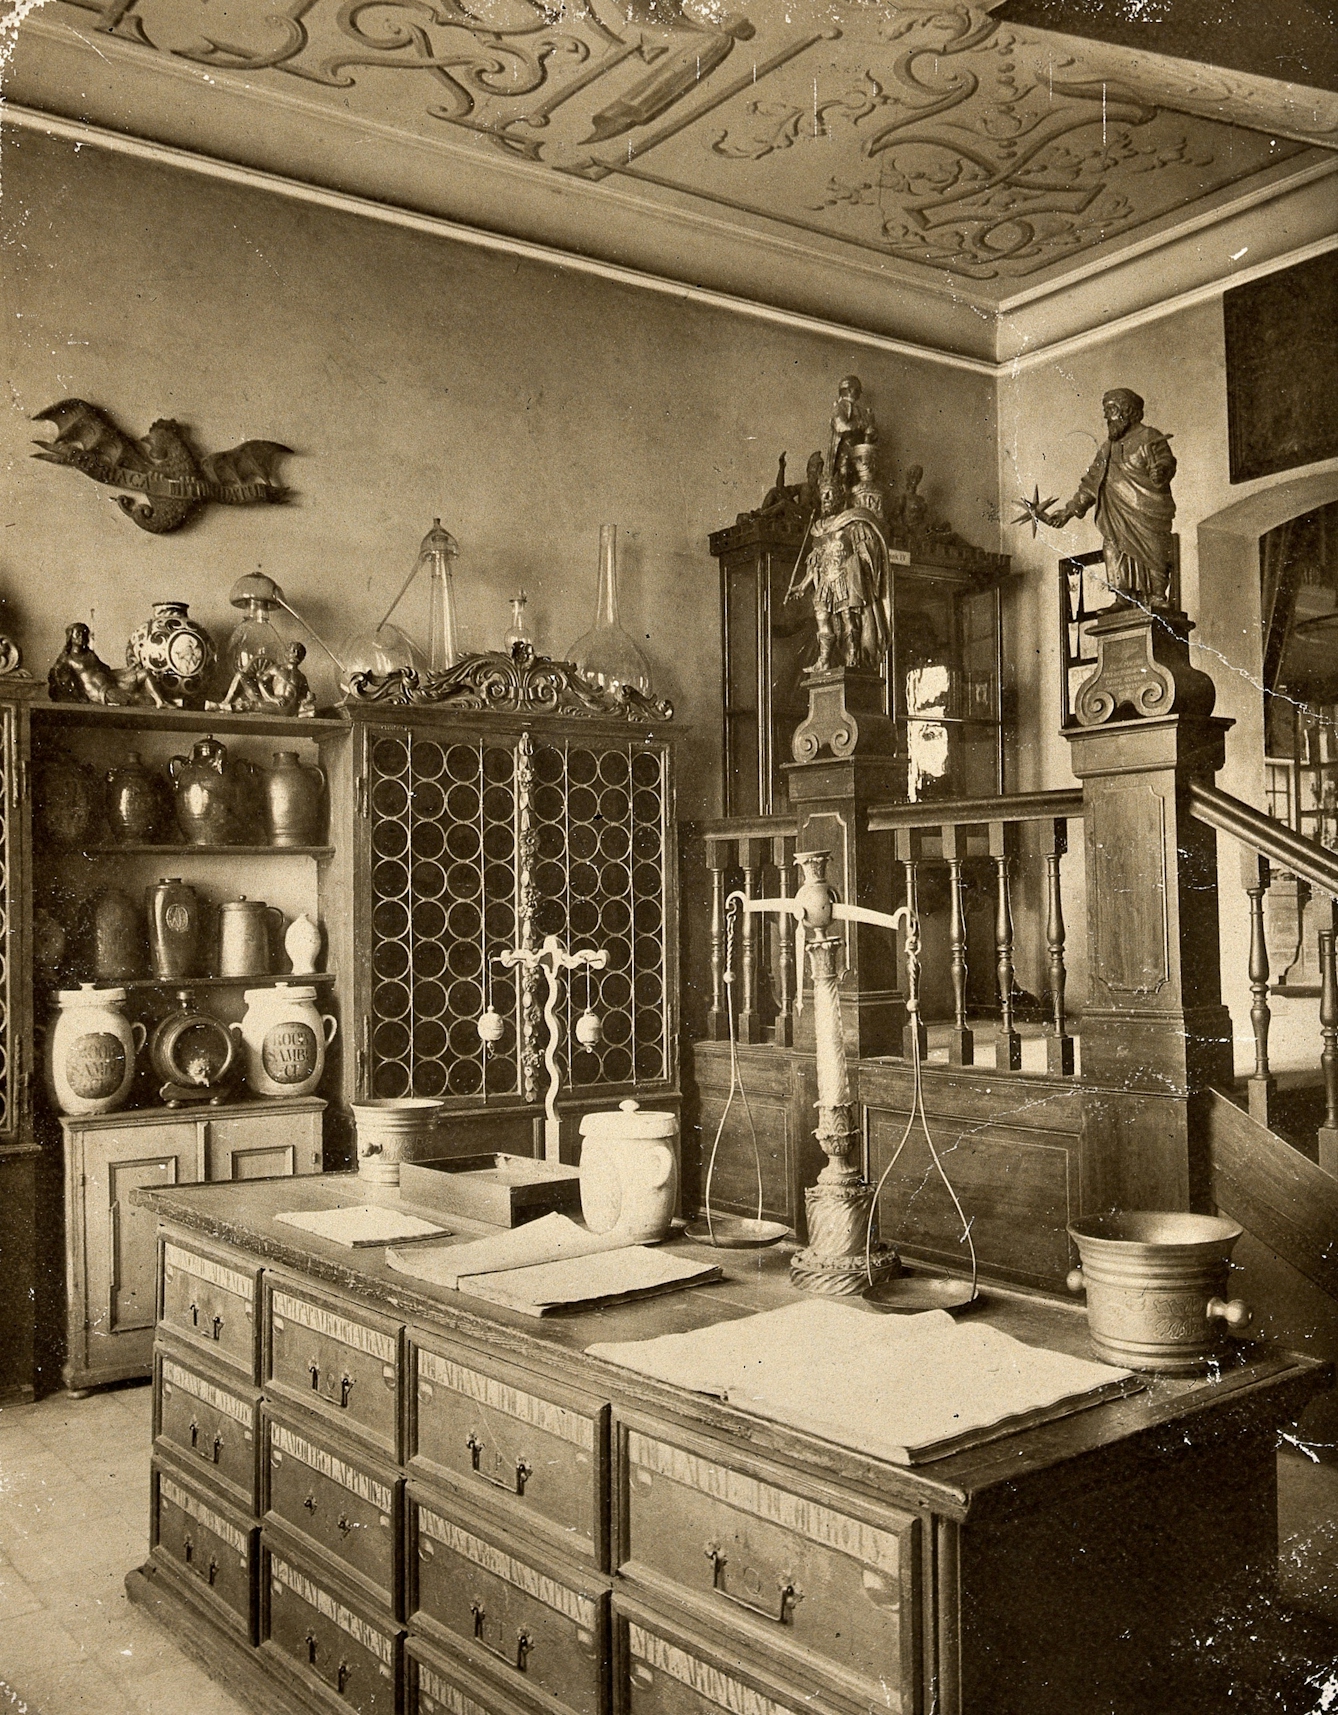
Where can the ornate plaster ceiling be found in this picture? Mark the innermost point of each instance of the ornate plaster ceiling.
(927, 146)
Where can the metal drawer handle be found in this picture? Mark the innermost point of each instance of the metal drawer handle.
(194, 1434)
(789, 1591)
(524, 1642)
(311, 1648)
(213, 1571)
(314, 1371)
(310, 1504)
(344, 1525)
(524, 1470)
(218, 1326)
(195, 1315)
(188, 1545)
(345, 1389)
(343, 1676)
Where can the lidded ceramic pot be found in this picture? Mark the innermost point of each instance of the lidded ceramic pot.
(90, 1050)
(302, 943)
(284, 1039)
(294, 801)
(629, 1173)
(244, 936)
(135, 802)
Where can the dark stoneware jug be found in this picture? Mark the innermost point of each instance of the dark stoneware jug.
(135, 802)
(294, 801)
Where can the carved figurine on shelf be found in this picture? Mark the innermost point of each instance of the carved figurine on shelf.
(867, 492)
(791, 502)
(845, 572)
(1129, 483)
(853, 425)
(80, 675)
(270, 687)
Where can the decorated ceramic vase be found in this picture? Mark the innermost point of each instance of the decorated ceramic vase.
(215, 796)
(284, 1040)
(175, 649)
(135, 802)
(90, 1050)
(294, 801)
(68, 800)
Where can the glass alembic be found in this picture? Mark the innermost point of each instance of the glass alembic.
(606, 653)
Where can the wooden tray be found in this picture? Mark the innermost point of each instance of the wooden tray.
(504, 1190)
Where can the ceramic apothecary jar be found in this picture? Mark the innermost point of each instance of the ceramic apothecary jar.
(90, 1050)
(284, 1038)
(629, 1173)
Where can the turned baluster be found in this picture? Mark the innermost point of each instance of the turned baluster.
(1059, 1045)
(962, 1043)
(782, 853)
(752, 856)
(914, 1026)
(1257, 878)
(1328, 1019)
(718, 855)
(1008, 1044)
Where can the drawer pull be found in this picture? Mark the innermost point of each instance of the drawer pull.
(789, 1593)
(195, 1315)
(524, 1470)
(310, 1504)
(218, 1326)
(188, 1549)
(213, 1571)
(311, 1649)
(344, 1525)
(212, 1450)
(314, 1371)
(343, 1676)
(194, 1435)
(524, 1642)
(345, 1389)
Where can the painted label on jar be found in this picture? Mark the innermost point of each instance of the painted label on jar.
(289, 1051)
(95, 1065)
(177, 918)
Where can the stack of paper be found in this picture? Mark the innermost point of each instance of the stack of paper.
(903, 1388)
(365, 1224)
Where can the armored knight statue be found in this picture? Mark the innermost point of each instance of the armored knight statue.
(853, 425)
(1129, 482)
(846, 572)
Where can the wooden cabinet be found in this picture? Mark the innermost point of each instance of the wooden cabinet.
(110, 1242)
(751, 1568)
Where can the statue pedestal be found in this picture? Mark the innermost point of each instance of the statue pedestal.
(845, 715)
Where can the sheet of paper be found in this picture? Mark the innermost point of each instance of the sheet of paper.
(365, 1224)
(895, 1387)
(632, 1271)
(549, 1239)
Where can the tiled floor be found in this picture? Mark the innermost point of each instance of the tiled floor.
(74, 1511)
(74, 1478)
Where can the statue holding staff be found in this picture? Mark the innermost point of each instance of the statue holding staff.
(846, 571)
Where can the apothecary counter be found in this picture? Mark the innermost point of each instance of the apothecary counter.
(370, 1494)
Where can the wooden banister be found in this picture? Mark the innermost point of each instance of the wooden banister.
(979, 812)
(1285, 848)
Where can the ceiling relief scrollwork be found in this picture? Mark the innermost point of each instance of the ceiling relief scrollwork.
(925, 133)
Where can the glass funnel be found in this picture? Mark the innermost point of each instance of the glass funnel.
(606, 653)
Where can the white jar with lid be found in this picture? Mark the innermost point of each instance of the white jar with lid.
(284, 1038)
(629, 1173)
(90, 1050)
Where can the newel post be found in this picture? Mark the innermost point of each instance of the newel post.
(1155, 1034)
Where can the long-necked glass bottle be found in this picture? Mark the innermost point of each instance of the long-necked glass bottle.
(606, 653)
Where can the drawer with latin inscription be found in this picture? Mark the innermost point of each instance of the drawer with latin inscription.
(205, 1544)
(210, 1303)
(501, 1436)
(347, 1503)
(659, 1669)
(327, 1358)
(438, 1682)
(745, 1545)
(544, 1623)
(210, 1423)
(332, 1641)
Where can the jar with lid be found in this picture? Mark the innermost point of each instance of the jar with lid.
(90, 1050)
(629, 1173)
(284, 1038)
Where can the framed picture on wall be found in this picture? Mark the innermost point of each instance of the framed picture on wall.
(1282, 401)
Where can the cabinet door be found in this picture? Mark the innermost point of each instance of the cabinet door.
(120, 1243)
(15, 1057)
(263, 1146)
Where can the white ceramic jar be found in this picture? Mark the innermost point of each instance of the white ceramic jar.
(90, 1050)
(629, 1173)
(284, 1038)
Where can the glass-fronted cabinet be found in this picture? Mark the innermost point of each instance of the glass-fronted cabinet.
(944, 671)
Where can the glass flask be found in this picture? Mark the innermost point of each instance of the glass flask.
(438, 549)
(257, 596)
(606, 653)
(378, 652)
(519, 629)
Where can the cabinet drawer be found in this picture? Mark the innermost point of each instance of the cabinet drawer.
(206, 1545)
(327, 1636)
(210, 1424)
(344, 1366)
(438, 1682)
(348, 1505)
(540, 1456)
(211, 1304)
(543, 1624)
(746, 1548)
(660, 1670)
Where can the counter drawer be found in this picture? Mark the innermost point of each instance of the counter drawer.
(438, 1682)
(210, 1424)
(328, 1358)
(661, 1670)
(205, 1544)
(746, 1547)
(544, 1625)
(349, 1506)
(210, 1304)
(332, 1642)
(504, 1439)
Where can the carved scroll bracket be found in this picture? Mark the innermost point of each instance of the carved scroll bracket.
(1142, 669)
(845, 716)
(519, 683)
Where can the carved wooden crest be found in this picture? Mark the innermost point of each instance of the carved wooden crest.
(519, 683)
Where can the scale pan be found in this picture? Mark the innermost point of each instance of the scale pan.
(736, 1232)
(907, 1293)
